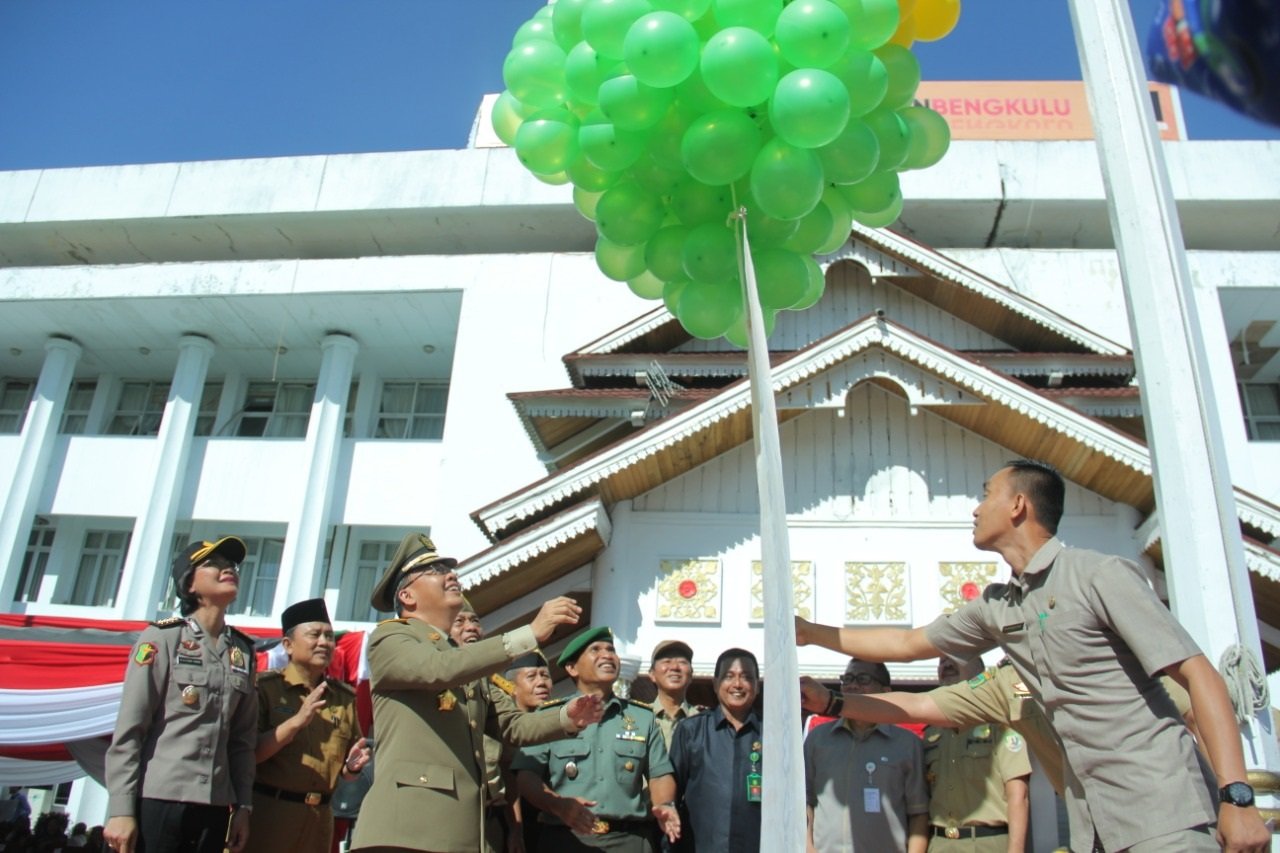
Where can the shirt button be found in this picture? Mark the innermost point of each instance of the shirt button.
(473, 724)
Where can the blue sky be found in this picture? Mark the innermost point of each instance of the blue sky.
(138, 81)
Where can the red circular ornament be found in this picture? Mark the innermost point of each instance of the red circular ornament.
(969, 590)
(688, 589)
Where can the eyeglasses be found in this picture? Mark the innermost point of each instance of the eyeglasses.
(862, 679)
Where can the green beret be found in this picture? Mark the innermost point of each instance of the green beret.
(578, 642)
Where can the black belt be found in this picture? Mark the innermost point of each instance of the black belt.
(968, 831)
(310, 798)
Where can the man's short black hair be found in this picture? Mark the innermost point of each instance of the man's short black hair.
(1043, 486)
(879, 670)
(750, 665)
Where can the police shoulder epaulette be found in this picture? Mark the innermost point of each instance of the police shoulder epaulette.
(503, 684)
(340, 685)
(647, 706)
(553, 703)
(394, 619)
(171, 622)
(236, 632)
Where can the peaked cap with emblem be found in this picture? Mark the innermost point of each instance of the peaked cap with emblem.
(416, 551)
(231, 547)
(311, 610)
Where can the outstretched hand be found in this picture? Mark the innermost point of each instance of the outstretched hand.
(560, 610)
(585, 710)
(668, 821)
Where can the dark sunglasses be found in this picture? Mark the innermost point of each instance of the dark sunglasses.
(862, 679)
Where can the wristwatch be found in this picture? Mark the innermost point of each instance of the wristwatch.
(246, 806)
(1237, 794)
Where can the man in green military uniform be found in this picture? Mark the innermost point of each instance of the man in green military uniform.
(431, 708)
(977, 779)
(308, 737)
(591, 788)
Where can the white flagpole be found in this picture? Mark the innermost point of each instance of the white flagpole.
(783, 813)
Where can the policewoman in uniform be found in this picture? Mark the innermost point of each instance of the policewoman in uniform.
(591, 788)
(431, 708)
(179, 770)
(308, 738)
(977, 780)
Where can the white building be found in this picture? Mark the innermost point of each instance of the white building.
(320, 354)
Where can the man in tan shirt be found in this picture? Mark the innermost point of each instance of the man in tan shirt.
(671, 670)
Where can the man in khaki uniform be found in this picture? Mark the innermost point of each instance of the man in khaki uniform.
(181, 761)
(308, 737)
(671, 669)
(977, 781)
(1089, 637)
(430, 707)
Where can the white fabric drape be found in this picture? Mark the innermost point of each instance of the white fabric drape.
(30, 717)
(18, 771)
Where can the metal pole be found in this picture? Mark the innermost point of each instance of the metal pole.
(1203, 551)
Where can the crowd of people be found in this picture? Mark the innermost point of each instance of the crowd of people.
(474, 755)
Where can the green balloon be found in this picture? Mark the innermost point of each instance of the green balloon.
(852, 155)
(588, 176)
(759, 15)
(813, 290)
(534, 28)
(877, 192)
(904, 74)
(506, 117)
(809, 107)
(547, 142)
(566, 22)
(628, 214)
(646, 285)
(738, 334)
(781, 278)
(708, 310)
(690, 10)
(893, 135)
(555, 179)
(865, 77)
(880, 218)
(930, 137)
(710, 253)
(763, 230)
(671, 293)
(609, 147)
(841, 217)
(585, 70)
(664, 253)
(534, 73)
(661, 49)
(631, 105)
(720, 147)
(739, 67)
(655, 177)
(812, 33)
(814, 228)
(871, 22)
(620, 263)
(695, 99)
(605, 23)
(586, 202)
(694, 203)
(666, 136)
(786, 181)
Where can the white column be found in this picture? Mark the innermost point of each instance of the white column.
(35, 449)
(146, 569)
(1204, 556)
(304, 545)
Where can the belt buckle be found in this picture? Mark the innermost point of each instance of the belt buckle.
(600, 827)
(952, 832)
(313, 798)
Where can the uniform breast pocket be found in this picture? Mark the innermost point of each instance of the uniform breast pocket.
(566, 760)
(629, 761)
(192, 687)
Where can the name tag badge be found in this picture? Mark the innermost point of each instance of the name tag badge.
(754, 787)
(632, 736)
(871, 800)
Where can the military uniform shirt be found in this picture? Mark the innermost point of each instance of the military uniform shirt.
(667, 722)
(837, 781)
(188, 719)
(312, 761)
(608, 761)
(967, 771)
(1088, 636)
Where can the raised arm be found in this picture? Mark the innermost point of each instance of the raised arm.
(875, 708)
(872, 644)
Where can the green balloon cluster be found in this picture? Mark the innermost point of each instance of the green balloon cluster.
(667, 116)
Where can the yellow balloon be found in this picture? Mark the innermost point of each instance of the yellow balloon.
(905, 35)
(906, 8)
(934, 19)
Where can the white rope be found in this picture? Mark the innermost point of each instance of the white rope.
(1246, 682)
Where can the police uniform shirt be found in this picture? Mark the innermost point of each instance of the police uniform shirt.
(312, 761)
(863, 786)
(608, 761)
(187, 725)
(1088, 636)
(967, 770)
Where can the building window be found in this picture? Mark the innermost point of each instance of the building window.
(412, 410)
(372, 562)
(101, 563)
(34, 562)
(75, 415)
(276, 409)
(208, 411)
(15, 398)
(258, 575)
(1261, 404)
(140, 410)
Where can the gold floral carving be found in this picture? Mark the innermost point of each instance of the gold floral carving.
(875, 592)
(801, 587)
(689, 590)
(955, 577)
